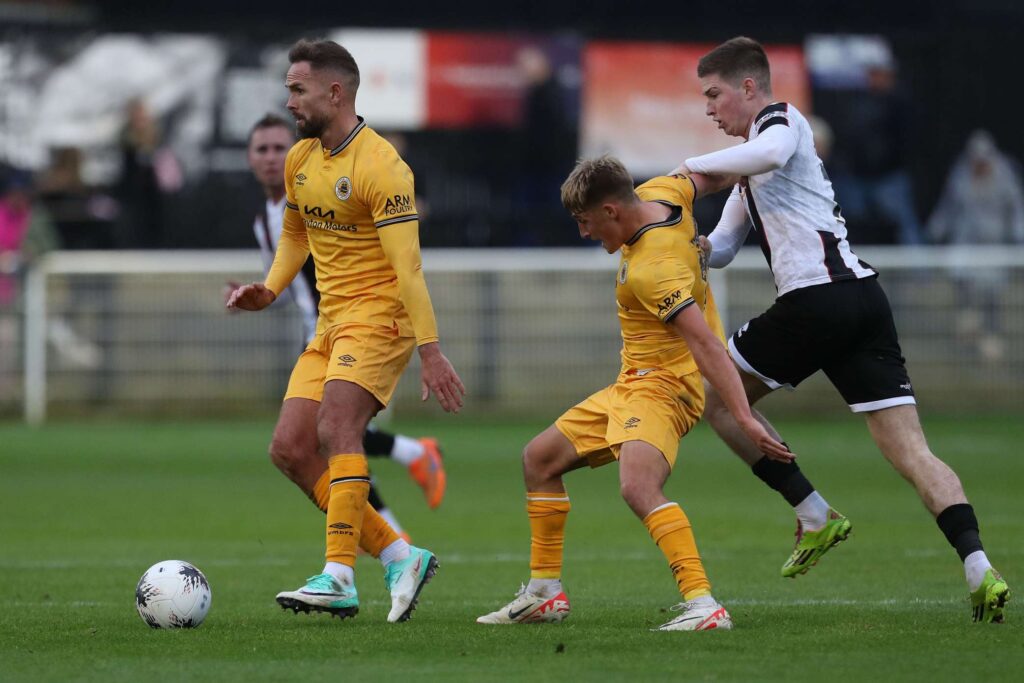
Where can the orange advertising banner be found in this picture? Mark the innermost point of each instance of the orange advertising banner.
(642, 102)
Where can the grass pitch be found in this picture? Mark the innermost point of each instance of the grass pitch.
(86, 508)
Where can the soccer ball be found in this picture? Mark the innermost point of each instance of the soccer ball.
(173, 594)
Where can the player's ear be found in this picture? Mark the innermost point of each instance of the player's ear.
(749, 87)
(337, 92)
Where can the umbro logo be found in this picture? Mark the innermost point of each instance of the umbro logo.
(346, 360)
(300, 179)
(340, 529)
(631, 422)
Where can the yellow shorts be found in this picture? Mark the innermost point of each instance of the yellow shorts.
(371, 356)
(657, 408)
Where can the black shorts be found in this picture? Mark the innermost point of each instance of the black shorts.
(844, 328)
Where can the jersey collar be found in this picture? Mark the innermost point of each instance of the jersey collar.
(674, 217)
(351, 136)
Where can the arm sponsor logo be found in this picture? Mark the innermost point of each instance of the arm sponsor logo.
(669, 302)
(398, 204)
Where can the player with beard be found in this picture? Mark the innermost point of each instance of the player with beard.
(293, 449)
(349, 203)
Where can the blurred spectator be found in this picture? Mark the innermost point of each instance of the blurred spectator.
(149, 171)
(83, 216)
(25, 233)
(982, 203)
(547, 152)
(872, 182)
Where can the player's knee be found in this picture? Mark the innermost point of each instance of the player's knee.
(285, 454)
(532, 460)
(538, 463)
(634, 492)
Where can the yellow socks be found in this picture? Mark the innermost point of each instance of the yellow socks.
(321, 493)
(350, 486)
(671, 530)
(376, 533)
(547, 513)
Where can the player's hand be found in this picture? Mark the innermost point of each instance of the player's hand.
(439, 377)
(229, 288)
(773, 449)
(681, 169)
(705, 246)
(254, 297)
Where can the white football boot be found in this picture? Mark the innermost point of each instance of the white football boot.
(700, 614)
(405, 579)
(528, 608)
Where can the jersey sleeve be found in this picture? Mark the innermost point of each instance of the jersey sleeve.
(387, 188)
(663, 286)
(293, 246)
(675, 189)
(771, 149)
(401, 247)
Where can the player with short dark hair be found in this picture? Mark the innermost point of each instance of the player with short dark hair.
(671, 336)
(831, 314)
(350, 203)
(294, 450)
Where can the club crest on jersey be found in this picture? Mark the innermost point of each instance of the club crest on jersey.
(343, 188)
(622, 272)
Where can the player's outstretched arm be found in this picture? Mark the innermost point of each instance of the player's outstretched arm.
(254, 297)
(716, 366)
(438, 376)
(769, 151)
(704, 184)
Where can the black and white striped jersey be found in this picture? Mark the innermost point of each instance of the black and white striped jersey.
(302, 290)
(789, 200)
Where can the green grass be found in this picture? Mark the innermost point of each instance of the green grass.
(86, 508)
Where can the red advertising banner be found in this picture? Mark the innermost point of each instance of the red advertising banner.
(483, 79)
(473, 79)
(642, 102)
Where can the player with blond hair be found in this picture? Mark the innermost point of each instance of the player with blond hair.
(671, 339)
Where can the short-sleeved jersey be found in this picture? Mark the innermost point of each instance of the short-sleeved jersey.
(341, 197)
(662, 271)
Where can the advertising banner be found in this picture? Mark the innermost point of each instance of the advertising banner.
(642, 102)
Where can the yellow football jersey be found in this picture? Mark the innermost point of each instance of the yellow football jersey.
(338, 198)
(662, 271)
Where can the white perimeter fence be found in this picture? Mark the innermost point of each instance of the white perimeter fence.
(530, 331)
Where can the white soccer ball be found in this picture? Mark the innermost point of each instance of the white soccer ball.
(173, 594)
